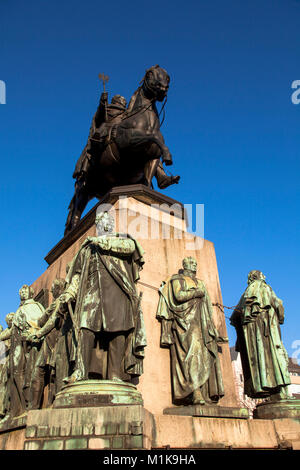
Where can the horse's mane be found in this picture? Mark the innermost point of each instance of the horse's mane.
(133, 99)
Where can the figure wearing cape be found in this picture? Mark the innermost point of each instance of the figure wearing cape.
(264, 359)
(188, 329)
(50, 330)
(23, 353)
(102, 279)
(5, 336)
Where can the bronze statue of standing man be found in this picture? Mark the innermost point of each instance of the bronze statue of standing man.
(257, 319)
(187, 327)
(107, 317)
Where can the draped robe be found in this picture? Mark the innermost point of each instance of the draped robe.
(264, 359)
(188, 329)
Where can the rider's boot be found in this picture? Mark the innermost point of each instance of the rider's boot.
(163, 180)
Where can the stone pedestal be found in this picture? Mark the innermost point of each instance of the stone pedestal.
(94, 428)
(109, 415)
(212, 411)
(160, 224)
(278, 409)
(97, 393)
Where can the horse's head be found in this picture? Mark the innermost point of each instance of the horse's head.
(156, 82)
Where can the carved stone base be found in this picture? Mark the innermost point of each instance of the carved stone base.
(278, 409)
(98, 393)
(93, 428)
(212, 411)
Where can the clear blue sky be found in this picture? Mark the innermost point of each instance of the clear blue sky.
(230, 124)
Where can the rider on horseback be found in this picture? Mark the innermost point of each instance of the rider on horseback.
(102, 130)
(124, 145)
(105, 114)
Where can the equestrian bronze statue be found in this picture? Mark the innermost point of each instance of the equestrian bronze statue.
(124, 145)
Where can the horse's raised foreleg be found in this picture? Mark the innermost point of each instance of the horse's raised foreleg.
(138, 138)
(77, 206)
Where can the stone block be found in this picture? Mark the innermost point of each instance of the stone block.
(55, 444)
(111, 428)
(42, 431)
(54, 431)
(65, 430)
(76, 443)
(98, 443)
(134, 442)
(136, 428)
(76, 430)
(14, 440)
(213, 411)
(117, 442)
(30, 431)
(32, 445)
(214, 433)
(88, 429)
(288, 430)
(124, 428)
(99, 429)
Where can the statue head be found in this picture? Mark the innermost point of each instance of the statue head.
(255, 275)
(105, 223)
(156, 82)
(57, 288)
(9, 319)
(26, 292)
(119, 100)
(189, 264)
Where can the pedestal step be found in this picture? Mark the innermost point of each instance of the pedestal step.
(212, 411)
(98, 393)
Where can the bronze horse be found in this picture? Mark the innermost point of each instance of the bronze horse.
(125, 151)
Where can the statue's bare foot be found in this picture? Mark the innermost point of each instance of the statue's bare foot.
(168, 180)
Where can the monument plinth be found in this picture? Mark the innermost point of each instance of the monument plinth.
(97, 414)
(289, 408)
(97, 393)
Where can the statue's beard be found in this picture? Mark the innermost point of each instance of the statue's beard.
(189, 272)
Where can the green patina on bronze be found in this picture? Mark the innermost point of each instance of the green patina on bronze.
(93, 329)
(102, 283)
(257, 319)
(264, 359)
(4, 365)
(22, 353)
(187, 327)
(48, 357)
(97, 393)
